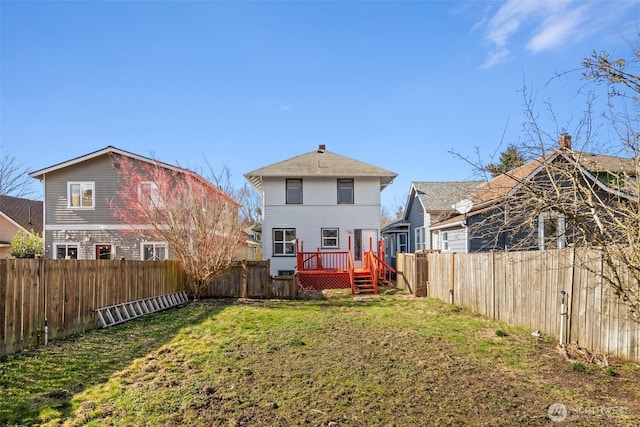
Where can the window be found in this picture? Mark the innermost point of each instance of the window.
(294, 191)
(66, 251)
(402, 242)
(285, 273)
(80, 195)
(284, 241)
(444, 241)
(148, 190)
(551, 231)
(104, 252)
(420, 242)
(345, 191)
(329, 237)
(154, 251)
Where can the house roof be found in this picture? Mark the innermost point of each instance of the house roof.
(111, 150)
(502, 185)
(24, 213)
(39, 174)
(442, 195)
(320, 163)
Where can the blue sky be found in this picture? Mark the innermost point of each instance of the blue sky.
(243, 84)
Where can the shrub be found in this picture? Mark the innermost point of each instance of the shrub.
(26, 245)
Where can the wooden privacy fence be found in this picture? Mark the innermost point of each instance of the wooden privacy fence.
(525, 289)
(65, 293)
(251, 279)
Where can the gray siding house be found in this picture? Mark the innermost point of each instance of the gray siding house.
(78, 220)
(498, 221)
(428, 202)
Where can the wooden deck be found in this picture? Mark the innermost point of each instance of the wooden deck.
(321, 270)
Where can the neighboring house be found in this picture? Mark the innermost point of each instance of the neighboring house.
(17, 214)
(427, 203)
(492, 224)
(321, 200)
(79, 222)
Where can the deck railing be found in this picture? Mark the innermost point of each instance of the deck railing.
(322, 261)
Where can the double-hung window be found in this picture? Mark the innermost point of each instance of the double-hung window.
(294, 191)
(444, 241)
(154, 251)
(149, 195)
(80, 194)
(330, 238)
(345, 191)
(284, 241)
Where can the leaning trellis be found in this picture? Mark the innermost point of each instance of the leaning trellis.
(118, 313)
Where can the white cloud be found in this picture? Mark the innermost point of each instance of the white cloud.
(536, 25)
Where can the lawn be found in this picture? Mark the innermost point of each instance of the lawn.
(323, 360)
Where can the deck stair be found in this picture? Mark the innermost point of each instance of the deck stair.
(118, 313)
(363, 282)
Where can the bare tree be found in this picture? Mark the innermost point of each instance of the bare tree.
(198, 220)
(580, 191)
(14, 177)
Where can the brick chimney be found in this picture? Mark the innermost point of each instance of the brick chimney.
(322, 148)
(564, 142)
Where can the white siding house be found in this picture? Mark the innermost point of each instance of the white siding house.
(321, 200)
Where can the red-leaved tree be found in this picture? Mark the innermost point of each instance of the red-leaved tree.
(197, 219)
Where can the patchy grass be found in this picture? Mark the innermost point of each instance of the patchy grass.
(324, 360)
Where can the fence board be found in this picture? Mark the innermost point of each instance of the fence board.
(524, 289)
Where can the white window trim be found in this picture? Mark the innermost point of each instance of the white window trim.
(93, 194)
(274, 241)
(67, 244)
(337, 238)
(561, 242)
(420, 235)
(444, 241)
(154, 200)
(154, 243)
(353, 196)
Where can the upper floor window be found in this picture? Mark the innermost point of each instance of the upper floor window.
(154, 251)
(148, 191)
(329, 237)
(294, 191)
(345, 191)
(80, 194)
(284, 241)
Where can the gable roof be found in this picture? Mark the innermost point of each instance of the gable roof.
(111, 150)
(24, 213)
(39, 174)
(442, 195)
(505, 184)
(320, 163)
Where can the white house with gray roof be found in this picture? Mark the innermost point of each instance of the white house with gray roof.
(323, 200)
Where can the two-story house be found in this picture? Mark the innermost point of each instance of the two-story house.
(79, 222)
(321, 200)
(17, 214)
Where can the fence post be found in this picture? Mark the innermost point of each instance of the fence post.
(453, 280)
(245, 284)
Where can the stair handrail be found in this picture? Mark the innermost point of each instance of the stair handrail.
(351, 270)
(370, 266)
